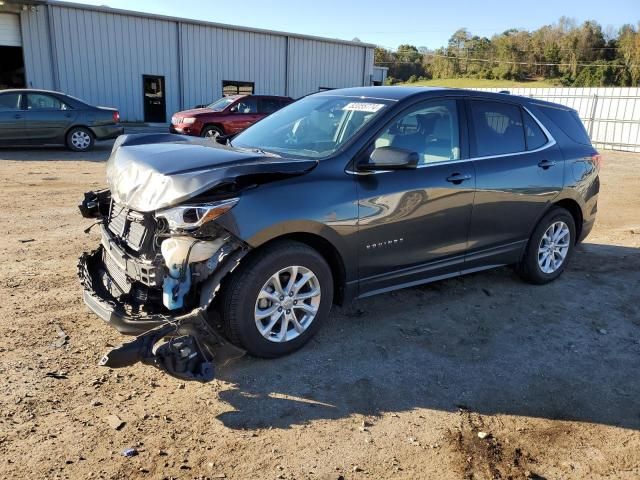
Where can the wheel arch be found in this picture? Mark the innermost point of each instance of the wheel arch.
(573, 207)
(79, 125)
(218, 125)
(326, 249)
(569, 204)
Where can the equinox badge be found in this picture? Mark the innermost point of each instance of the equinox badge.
(386, 243)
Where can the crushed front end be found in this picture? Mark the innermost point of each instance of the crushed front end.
(163, 254)
(155, 275)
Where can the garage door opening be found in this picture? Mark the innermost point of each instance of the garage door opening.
(11, 68)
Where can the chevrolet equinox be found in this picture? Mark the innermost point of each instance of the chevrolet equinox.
(208, 250)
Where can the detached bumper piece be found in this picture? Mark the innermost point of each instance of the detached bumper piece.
(185, 346)
(185, 349)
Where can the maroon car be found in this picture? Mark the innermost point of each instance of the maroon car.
(226, 116)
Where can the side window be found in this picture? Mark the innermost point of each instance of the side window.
(10, 101)
(268, 105)
(37, 101)
(246, 105)
(498, 128)
(569, 122)
(431, 130)
(534, 135)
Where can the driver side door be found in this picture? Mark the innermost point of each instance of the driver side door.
(243, 114)
(414, 223)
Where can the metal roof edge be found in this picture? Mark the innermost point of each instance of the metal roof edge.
(134, 13)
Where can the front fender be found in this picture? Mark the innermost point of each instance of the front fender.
(312, 204)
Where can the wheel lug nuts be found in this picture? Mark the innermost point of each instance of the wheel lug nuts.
(279, 309)
(281, 297)
(295, 302)
(288, 311)
(291, 294)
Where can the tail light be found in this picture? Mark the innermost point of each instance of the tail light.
(116, 116)
(596, 158)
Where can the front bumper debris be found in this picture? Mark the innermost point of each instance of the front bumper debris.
(184, 346)
(185, 349)
(92, 273)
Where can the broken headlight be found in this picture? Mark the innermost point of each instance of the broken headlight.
(188, 217)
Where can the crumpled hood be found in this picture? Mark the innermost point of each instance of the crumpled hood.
(149, 172)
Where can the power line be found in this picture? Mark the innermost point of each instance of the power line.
(466, 49)
(531, 64)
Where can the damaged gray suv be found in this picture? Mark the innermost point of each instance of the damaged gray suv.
(210, 249)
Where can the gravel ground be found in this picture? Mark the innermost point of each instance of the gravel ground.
(476, 377)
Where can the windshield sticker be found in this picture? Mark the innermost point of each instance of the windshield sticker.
(363, 107)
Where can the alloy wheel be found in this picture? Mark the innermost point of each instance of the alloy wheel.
(212, 134)
(287, 304)
(554, 247)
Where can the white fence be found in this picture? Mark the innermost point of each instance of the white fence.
(611, 115)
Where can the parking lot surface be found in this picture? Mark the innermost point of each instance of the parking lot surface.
(477, 377)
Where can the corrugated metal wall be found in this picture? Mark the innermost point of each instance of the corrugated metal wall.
(211, 55)
(100, 56)
(314, 65)
(36, 49)
(610, 114)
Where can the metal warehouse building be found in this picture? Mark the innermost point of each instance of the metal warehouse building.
(149, 66)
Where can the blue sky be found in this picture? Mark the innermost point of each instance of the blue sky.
(389, 23)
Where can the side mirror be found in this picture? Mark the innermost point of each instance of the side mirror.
(389, 158)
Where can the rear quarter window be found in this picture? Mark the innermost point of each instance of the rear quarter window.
(569, 122)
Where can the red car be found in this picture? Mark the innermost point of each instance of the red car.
(226, 116)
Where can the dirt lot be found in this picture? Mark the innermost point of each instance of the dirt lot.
(397, 386)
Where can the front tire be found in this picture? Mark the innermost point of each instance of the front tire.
(212, 133)
(277, 299)
(550, 247)
(79, 139)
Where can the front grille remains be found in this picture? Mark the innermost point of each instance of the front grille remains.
(117, 274)
(129, 226)
(118, 220)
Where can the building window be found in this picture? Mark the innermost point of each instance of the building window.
(231, 87)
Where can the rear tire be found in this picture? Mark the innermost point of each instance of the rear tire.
(250, 294)
(550, 248)
(212, 133)
(79, 139)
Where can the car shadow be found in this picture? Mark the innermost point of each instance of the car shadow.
(488, 342)
(99, 153)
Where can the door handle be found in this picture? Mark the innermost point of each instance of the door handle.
(546, 164)
(458, 178)
(17, 115)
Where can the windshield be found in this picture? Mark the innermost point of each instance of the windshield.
(314, 126)
(221, 104)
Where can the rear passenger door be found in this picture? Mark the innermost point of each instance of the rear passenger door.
(518, 173)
